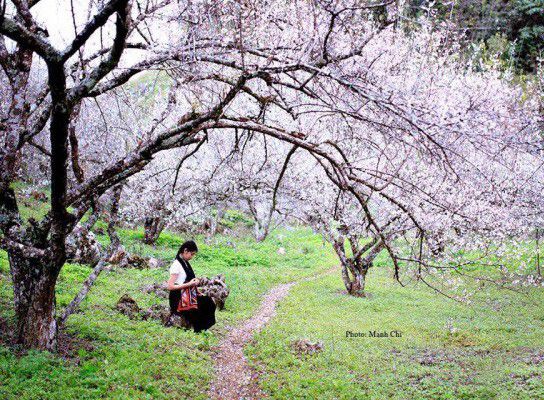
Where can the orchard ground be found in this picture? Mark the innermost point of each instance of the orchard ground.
(492, 348)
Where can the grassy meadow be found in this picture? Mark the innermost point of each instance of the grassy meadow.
(491, 349)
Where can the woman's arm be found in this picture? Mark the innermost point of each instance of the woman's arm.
(172, 283)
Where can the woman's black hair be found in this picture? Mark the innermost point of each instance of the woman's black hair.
(189, 245)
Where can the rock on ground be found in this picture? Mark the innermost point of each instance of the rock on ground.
(82, 246)
(126, 305)
(304, 346)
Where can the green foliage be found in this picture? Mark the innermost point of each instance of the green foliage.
(149, 85)
(486, 25)
(30, 207)
(4, 262)
(490, 349)
(233, 217)
(528, 32)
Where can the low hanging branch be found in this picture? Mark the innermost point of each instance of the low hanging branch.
(85, 288)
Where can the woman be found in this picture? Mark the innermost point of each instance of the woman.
(182, 276)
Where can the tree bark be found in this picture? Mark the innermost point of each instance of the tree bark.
(214, 221)
(34, 300)
(94, 217)
(38, 252)
(74, 147)
(261, 232)
(74, 304)
(356, 285)
(355, 268)
(153, 227)
(101, 264)
(114, 218)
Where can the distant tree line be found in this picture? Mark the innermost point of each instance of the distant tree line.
(521, 22)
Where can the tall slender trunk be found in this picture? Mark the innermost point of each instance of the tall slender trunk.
(16, 117)
(74, 304)
(94, 217)
(101, 262)
(114, 218)
(216, 220)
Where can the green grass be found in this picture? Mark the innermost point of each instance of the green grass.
(447, 350)
(142, 359)
(251, 268)
(30, 207)
(493, 348)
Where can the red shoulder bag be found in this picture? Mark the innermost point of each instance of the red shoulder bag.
(188, 299)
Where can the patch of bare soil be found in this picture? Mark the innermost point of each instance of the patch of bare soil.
(234, 379)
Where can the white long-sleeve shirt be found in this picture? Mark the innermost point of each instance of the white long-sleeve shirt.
(177, 268)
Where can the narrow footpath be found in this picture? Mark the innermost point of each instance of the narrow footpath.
(233, 378)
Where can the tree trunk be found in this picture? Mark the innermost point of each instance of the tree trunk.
(261, 228)
(115, 241)
(358, 266)
(34, 300)
(94, 217)
(74, 304)
(153, 227)
(214, 221)
(261, 231)
(355, 284)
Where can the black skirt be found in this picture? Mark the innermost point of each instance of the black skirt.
(201, 318)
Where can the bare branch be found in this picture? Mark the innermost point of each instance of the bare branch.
(98, 20)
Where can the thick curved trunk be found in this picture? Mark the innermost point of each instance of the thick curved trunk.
(354, 283)
(34, 301)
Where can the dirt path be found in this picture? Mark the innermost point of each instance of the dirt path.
(233, 378)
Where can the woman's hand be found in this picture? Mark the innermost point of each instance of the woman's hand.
(194, 282)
